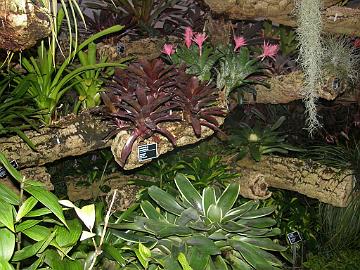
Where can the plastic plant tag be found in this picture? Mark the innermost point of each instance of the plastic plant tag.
(147, 151)
(294, 237)
(3, 171)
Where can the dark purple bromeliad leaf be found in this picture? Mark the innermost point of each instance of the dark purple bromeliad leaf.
(149, 93)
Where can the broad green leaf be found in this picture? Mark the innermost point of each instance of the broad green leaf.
(186, 216)
(232, 226)
(28, 251)
(133, 238)
(164, 229)
(47, 199)
(204, 244)
(14, 173)
(220, 263)
(38, 212)
(26, 207)
(87, 215)
(208, 198)
(229, 197)
(197, 259)
(6, 216)
(263, 222)
(114, 253)
(183, 261)
(263, 243)
(187, 190)
(250, 255)
(8, 195)
(66, 237)
(264, 211)
(37, 232)
(4, 265)
(214, 213)
(238, 263)
(143, 254)
(149, 211)
(7, 244)
(165, 200)
(24, 225)
(35, 265)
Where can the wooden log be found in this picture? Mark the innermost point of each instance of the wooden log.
(72, 136)
(311, 179)
(23, 23)
(336, 19)
(327, 184)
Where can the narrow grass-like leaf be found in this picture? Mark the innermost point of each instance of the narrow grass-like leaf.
(14, 173)
(26, 207)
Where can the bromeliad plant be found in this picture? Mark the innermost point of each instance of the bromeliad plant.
(88, 83)
(198, 102)
(48, 82)
(151, 92)
(259, 141)
(205, 230)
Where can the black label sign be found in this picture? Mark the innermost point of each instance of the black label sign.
(294, 237)
(147, 151)
(3, 171)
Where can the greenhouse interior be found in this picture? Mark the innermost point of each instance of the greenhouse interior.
(180, 134)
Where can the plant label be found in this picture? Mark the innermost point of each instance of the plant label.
(3, 171)
(294, 237)
(147, 151)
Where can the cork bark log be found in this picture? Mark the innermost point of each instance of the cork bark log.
(327, 184)
(336, 19)
(78, 135)
(72, 136)
(22, 24)
(314, 180)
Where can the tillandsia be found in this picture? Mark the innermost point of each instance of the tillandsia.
(311, 56)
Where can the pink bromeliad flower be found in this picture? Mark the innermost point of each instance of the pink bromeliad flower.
(199, 39)
(188, 36)
(239, 42)
(269, 51)
(168, 49)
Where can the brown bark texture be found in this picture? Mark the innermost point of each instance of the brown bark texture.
(327, 184)
(22, 24)
(336, 19)
(72, 136)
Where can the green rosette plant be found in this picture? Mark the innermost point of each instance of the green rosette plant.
(200, 231)
(259, 141)
(49, 82)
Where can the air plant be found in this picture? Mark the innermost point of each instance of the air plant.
(199, 104)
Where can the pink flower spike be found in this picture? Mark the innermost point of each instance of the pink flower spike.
(239, 42)
(199, 39)
(168, 49)
(269, 51)
(188, 36)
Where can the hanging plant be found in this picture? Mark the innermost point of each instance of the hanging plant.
(310, 56)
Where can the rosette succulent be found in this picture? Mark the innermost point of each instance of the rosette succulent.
(202, 231)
